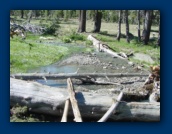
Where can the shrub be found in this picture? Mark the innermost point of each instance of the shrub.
(103, 32)
(76, 36)
(67, 40)
(52, 28)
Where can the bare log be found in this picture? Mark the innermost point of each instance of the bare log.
(65, 112)
(111, 109)
(32, 76)
(123, 54)
(74, 103)
(101, 46)
(105, 83)
(50, 100)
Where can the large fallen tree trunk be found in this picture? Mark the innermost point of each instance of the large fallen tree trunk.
(50, 100)
(103, 47)
(31, 76)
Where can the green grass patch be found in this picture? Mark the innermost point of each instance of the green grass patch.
(23, 56)
(30, 53)
(73, 36)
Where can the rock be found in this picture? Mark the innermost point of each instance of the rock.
(123, 67)
(94, 54)
(143, 57)
(138, 68)
(154, 97)
(114, 56)
(105, 67)
(130, 63)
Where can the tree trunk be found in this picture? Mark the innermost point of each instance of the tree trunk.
(119, 26)
(22, 13)
(127, 26)
(138, 17)
(158, 42)
(47, 13)
(147, 26)
(144, 18)
(36, 13)
(97, 21)
(30, 15)
(50, 100)
(82, 21)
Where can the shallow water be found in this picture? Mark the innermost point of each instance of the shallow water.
(117, 66)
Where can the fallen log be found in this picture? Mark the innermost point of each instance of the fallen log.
(102, 47)
(123, 54)
(73, 100)
(32, 76)
(50, 100)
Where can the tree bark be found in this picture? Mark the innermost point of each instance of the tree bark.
(49, 100)
(138, 17)
(97, 21)
(127, 26)
(147, 26)
(158, 42)
(82, 21)
(22, 13)
(30, 14)
(144, 18)
(119, 26)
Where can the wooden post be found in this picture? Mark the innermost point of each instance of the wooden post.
(99, 47)
(111, 109)
(74, 103)
(65, 112)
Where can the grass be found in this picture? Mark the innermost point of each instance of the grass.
(30, 53)
(23, 56)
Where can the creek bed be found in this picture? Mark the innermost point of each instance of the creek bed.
(91, 62)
